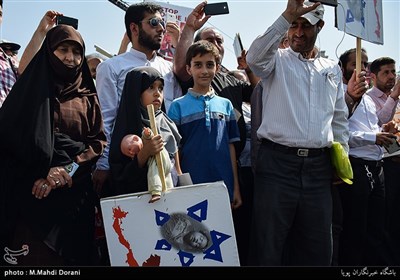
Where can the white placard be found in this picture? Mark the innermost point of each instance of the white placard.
(361, 18)
(171, 13)
(237, 45)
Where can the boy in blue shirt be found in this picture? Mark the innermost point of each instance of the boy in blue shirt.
(207, 124)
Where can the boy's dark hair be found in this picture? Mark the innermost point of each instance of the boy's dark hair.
(1, 3)
(136, 13)
(344, 58)
(375, 66)
(202, 47)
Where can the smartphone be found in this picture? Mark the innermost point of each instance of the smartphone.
(394, 147)
(171, 18)
(332, 3)
(216, 9)
(71, 168)
(68, 21)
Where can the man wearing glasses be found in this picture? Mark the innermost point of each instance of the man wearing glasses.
(11, 49)
(8, 64)
(145, 28)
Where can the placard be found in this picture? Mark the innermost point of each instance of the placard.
(237, 45)
(188, 226)
(362, 19)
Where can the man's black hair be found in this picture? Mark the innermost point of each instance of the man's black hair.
(344, 58)
(376, 65)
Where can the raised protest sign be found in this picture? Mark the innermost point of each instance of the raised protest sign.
(361, 18)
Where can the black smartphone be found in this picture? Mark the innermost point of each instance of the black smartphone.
(68, 21)
(216, 9)
(333, 3)
(394, 147)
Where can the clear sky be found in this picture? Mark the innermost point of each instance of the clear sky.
(102, 23)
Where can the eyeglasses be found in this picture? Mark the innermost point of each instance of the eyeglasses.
(155, 21)
(10, 52)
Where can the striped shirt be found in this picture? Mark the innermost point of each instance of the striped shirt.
(7, 75)
(303, 99)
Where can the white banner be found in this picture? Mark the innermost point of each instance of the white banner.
(188, 226)
(361, 18)
(180, 13)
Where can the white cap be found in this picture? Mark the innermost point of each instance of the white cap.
(7, 45)
(315, 15)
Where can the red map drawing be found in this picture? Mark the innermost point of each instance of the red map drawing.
(378, 28)
(118, 216)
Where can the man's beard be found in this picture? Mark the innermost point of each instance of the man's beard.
(146, 41)
(347, 75)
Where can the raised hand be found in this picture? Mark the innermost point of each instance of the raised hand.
(196, 18)
(296, 8)
(357, 85)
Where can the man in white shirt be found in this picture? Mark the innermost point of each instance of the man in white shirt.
(145, 27)
(354, 90)
(362, 241)
(304, 111)
(385, 94)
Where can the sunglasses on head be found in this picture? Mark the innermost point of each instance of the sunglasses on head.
(155, 21)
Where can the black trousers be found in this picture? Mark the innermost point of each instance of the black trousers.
(292, 212)
(242, 215)
(363, 240)
(391, 169)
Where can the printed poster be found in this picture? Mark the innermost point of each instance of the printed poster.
(361, 18)
(188, 226)
(178, 14)
(170, 13)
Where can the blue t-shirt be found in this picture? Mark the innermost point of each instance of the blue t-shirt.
(207, 125)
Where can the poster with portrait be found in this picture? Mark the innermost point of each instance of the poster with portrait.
(361, 18)
(171, 13)
(188, 226)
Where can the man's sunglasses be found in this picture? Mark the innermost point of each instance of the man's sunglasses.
(155, 21)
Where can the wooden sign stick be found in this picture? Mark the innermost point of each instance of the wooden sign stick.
(358, 56)
(150, 111)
